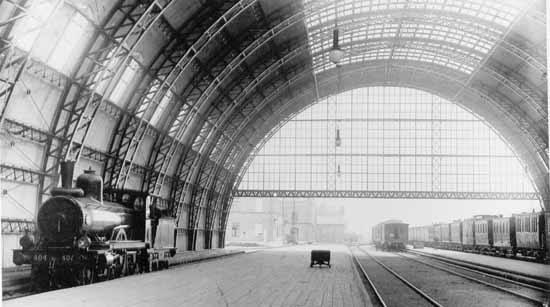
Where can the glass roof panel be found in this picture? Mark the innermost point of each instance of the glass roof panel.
(385, 139)
(454, 33)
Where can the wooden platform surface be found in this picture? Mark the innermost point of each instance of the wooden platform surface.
(274, 277)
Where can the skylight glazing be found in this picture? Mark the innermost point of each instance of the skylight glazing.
(455, 34)
(386, 139)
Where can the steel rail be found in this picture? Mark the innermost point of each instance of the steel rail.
(487, 269)
(367, 277)
(405, 281)
(523, 296)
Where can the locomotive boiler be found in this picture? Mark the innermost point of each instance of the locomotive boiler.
(83, 238)
(72, 214)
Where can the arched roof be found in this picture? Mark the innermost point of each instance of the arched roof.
(205, 81)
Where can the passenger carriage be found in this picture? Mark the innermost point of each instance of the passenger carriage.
(390, 235)
(529, 241)
(455, 235)
(483, 233)
(426, 235)
(504, 239)
(445, 235)
(415, 237)
(437, 235)
(468, 238)
(525, 234)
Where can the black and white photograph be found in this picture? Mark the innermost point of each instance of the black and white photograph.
(246, 153)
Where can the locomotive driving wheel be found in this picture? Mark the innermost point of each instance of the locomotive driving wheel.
(86, 275)
(40, 278)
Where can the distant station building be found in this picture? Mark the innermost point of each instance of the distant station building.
(284, 220)
(330, 224)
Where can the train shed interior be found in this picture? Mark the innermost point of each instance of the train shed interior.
(194, 104)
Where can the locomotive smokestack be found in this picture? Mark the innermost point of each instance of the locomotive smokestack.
(67, 171)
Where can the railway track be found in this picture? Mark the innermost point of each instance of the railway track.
(523, 278)
(385, 292)
(440, 282)
(535, 291)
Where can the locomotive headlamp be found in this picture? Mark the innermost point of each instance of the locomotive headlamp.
(83, 242)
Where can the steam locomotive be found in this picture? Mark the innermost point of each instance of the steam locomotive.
(83, 237)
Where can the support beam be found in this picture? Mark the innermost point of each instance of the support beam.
(12, 226)
(385, 194)
(19, 174)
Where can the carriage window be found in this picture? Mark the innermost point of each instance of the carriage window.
(520, 225)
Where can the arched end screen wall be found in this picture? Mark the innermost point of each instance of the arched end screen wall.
(385, 142)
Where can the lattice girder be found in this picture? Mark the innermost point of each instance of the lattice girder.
(214, 134)
(174, 57)
(496, 120)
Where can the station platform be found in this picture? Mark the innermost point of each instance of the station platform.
(194, 256)
(16, 279)
(513, 265)
(272, 277)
